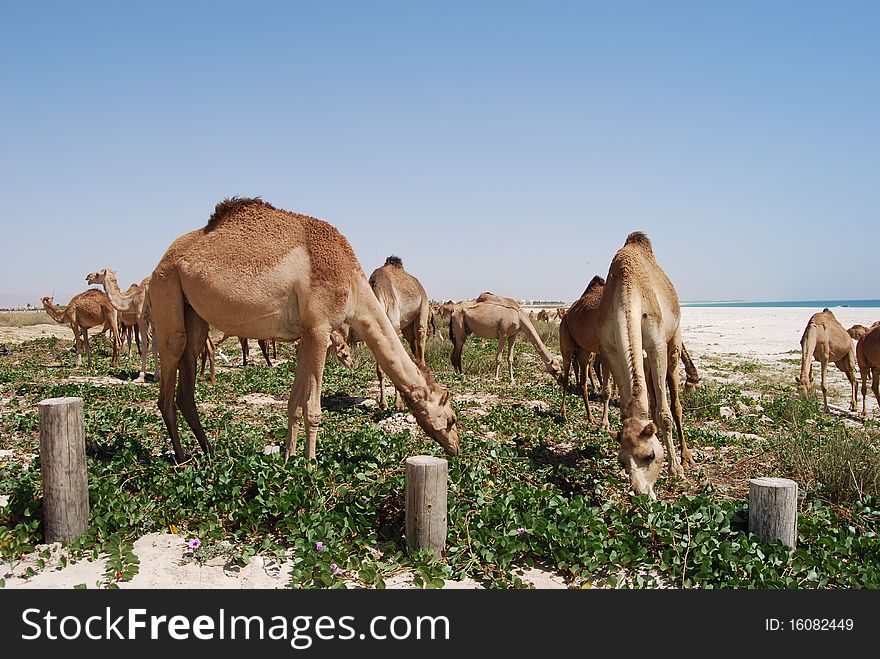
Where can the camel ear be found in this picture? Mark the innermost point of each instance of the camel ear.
(649, 430)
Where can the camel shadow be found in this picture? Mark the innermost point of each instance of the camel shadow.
(573, 469)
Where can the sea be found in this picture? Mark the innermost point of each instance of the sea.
(821, 304)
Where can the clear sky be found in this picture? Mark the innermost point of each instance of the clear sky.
(505, 146)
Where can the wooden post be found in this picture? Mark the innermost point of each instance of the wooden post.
(773, 510)
(426, 503)
(63, 462)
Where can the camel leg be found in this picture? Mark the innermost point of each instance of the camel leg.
(659, 361)
(687, 460)
(305, 394)
(510, 341)
(143, 346)
(264, 348)
(417, 347)
(117, 342)
(85, 340)
(383, 404)
(824, 388)
(566, 369)
(457, 335)
(245, 350)
(196, 334)
(584, 360)
(875, 385)
(848, 366)
(498, 353)
(605, 378)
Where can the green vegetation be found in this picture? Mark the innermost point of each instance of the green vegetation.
(529, 489)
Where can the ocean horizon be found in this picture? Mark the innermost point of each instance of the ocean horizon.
(820, 304)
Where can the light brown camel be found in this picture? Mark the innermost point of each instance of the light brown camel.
(825, 340)
(405, 302)
(88, 309)
(133, 307)
(262, 272)
(579, 345)
(857, 331)
(868, 356)
(245, 348)
(560, 312)
(640, 311)
(492, 316)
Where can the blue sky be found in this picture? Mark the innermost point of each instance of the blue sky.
(504, 146)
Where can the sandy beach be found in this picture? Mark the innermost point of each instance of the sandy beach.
(715, 336)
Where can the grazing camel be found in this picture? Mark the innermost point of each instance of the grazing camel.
(868, 356)
(560, 312)
(258, 271)
(825, 340)
(406, 304)
(858, 331)
(91, 308)
(494, 317)
(579, 343)
(640, 311)
(543, 316)
(133, 307)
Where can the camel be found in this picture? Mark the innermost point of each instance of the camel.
(91, 308)
(579, 344)
(858, 331)
(579, 341)
(543, 316)
(492, 316)
(133, 306)
(868, 357)
(560, 312)
(259, 271)
(405, 302)
(640, 311)
(825, 340)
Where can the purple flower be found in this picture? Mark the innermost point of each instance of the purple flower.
(521, 531)
(334, 568)
(319, 546)
(193, 543)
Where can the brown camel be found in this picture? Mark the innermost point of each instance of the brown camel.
(543, 316)
(579, 344)
(640, 311)
(88, 309)
(868, 356)
(858, 331)
(560, 312)
(826, 340)
(405, 302)
(262, 272)
(491, 316)
(134, 309)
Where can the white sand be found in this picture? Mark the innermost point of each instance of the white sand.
(760, 335)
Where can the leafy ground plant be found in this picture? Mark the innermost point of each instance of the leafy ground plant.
(530, 489)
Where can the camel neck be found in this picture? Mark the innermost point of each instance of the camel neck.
(118, 299)
(532, 335)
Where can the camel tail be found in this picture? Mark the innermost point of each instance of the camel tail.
(631, 342)
(808, 346)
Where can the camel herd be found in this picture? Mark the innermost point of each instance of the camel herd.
(269, 274)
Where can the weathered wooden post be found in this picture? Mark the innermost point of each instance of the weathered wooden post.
(426, 478)
(773, 510)
(63, 462)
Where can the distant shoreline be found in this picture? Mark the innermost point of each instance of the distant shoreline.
(821, 304)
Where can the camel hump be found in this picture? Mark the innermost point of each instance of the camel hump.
(394, 261)
(232, 206)
(638, 238)
(596, 281)
(825, 310)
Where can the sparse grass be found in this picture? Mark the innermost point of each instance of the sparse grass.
(24, 318)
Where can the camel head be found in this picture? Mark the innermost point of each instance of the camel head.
(555, 370)
(857, 331)
(640, 454)
(431, 406)
(341, 349)
(47, 300)
(99, 276)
